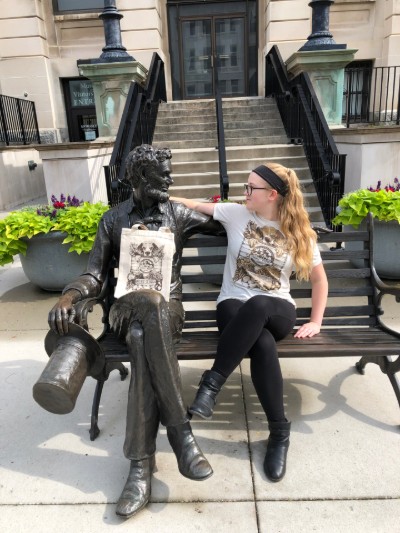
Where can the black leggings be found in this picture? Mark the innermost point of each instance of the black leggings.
(252, 328)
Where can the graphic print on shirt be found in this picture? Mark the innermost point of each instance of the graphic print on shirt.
(262, 256)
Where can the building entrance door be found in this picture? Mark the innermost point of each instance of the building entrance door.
(215, 41)
(80, 109)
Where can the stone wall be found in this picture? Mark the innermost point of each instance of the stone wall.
(18, 184)
(372, 154)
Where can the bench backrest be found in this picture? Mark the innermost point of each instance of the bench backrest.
(351, 300)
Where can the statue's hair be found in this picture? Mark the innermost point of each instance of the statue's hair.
(143, 157)
(295, 222)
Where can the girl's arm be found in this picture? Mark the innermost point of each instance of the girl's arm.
(206, 208)
(319, 295)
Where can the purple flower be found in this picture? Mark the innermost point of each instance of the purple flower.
(56, 205)
(387, 188)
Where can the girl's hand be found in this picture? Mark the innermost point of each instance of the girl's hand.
(308, 330)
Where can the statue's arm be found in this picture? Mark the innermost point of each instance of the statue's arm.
(195, 222)
(87, 285)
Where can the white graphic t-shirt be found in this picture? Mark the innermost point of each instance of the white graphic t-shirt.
(258, 260)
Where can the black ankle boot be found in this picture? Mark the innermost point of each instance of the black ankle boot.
(191, 461)
(209, 386)
(277, 448)
(136, 492)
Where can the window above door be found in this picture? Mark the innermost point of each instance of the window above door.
(77, 6)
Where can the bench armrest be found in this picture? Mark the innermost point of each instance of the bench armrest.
(385, 288)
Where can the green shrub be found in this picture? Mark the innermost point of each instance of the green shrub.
(79, 220)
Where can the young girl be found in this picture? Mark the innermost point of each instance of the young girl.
(268, 238)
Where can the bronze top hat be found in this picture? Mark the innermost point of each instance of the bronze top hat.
(73, 356)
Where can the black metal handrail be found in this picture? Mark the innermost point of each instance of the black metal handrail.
(18, 121)
(223, 171)
(305, 123)
(372, 95)
(137, 126)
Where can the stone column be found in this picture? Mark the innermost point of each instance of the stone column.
(111, 73)
(324, 61)
(111, 83)
(326, 71)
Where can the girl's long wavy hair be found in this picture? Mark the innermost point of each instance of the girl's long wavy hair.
(295, 222)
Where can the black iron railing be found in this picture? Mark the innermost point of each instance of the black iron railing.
(371, 95)
(137, 126)
(305, 124)
(223, 171)
(18, 121)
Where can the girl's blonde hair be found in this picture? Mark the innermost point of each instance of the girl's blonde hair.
(295, 222)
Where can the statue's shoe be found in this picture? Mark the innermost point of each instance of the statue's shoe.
(137, 489)
(191, 461)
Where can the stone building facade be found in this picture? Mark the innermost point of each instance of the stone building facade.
(42, 40)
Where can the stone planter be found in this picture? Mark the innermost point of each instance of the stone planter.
(47, 262)
(386, 248)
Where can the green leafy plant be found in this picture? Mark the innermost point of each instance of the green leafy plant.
(384, 204)
(79, 220)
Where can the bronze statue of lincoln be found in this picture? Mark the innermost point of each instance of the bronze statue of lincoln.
(146, 323)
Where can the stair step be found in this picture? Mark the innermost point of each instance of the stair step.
(238, 164)
(254, 134)
(270, 139)
(235, 191)
(235, 176)
(264, 152)
(256, 123)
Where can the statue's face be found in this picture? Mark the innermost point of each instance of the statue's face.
(158, 180)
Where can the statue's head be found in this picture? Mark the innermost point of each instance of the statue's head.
(148, 169)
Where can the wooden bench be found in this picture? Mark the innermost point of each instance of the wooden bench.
(352, 323)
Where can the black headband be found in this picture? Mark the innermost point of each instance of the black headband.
(273, 179)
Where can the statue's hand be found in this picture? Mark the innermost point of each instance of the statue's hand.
(63, 313)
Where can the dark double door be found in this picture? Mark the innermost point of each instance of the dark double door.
(209, 39)
(209, 43)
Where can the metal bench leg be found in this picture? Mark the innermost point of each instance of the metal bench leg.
(94, 428)
(388, 367)
(123, 371)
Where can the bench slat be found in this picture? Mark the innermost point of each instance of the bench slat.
(349, 273)
(343, 254)
(336, 292)
(345, 236)
(204, 260)
(329, 343)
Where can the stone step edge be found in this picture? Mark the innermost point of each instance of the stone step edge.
(216, 173)
(234, 161)
(209, 185)
(234, 148)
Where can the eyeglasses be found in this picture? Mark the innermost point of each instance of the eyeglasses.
(248, 189)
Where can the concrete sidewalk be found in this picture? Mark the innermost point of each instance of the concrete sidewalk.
(343, 467)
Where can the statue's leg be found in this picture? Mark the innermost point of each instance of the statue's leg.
(142, 422)
(142, 412)
(159, 322)
(152, 312)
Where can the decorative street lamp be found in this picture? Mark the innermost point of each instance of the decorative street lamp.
(113, 50)
(320, 38)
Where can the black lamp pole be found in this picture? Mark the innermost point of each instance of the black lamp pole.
(320, 38)
(113, 50)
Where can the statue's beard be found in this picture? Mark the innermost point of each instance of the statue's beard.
(156, 194)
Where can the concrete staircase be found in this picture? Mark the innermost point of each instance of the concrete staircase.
(254, 134)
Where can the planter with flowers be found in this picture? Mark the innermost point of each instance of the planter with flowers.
(384, 204)
(53, 240)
